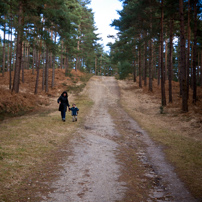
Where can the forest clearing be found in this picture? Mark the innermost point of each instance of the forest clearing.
(138, 135)
(44, 159)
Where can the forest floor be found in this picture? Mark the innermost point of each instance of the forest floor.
(105, 156)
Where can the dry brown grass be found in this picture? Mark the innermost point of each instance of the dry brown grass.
(26, 100)
(180, 133)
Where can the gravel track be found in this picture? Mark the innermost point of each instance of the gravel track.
(92, 173)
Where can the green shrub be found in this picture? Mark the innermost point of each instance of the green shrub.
(124, 69)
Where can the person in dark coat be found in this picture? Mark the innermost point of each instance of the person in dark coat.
(63, 104)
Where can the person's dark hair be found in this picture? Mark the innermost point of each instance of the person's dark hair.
(64, 93)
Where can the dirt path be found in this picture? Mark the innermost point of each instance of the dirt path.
(93, 171)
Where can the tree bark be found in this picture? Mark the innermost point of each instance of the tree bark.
(170, 61)
(188, 47)
(96, 66)
(10, 75)
(61, 57)
(43, 71)
(201, 70)
(22, 61)
(150, 53)
(38, 67)
(33, 58)
(8, 57)
(140, 58)
(134, 71)
(191, 79)
(166, 57)
(145, 63)
(195, 53)
(163, 95)
(14, 55)
(16, 81)
(4, 49)
(53, 71)
(37, 74)
(150, 65)
(66, 62)
(46, 70)
(183, 59)
(159, 64)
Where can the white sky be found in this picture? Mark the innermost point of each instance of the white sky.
(105, 11)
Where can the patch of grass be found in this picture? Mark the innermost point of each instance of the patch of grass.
(21, 112)
(28, 142)
(76, 88)
(183, 152)
(86, 78)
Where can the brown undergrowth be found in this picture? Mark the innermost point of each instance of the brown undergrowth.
(179, 133)
(12, 104)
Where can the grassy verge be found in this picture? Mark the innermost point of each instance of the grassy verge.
(183, 152)
(75, 89)
(29, 140)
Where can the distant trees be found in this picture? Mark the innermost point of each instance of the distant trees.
(164, 37)
(48, 34)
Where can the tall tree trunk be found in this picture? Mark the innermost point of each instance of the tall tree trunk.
(14, 54)
(37, 73)
(4, 49)
(77, 57)
(201, 70)
(96, 66)
(145, 63)
(28, 56)
(10, 75)
(159, 64)
(150, 53)
(33, 58)
(163, 95)
(43, 71)
(53, 71)
(8, 57)
(22, 61)
(61, 56)
(46, 70)
(183, 59)
(192, 53)
(150, 65)
(78, 48)
(51, 54)
(154, 57)
(38, 67)
(195, 53)
(198, 69)
(140, 75)
(66, 62)
(166, 57)
(16, 81)
(134, 70)
(188, 47)
(170, 61)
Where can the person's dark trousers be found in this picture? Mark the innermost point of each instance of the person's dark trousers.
(63, 115)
